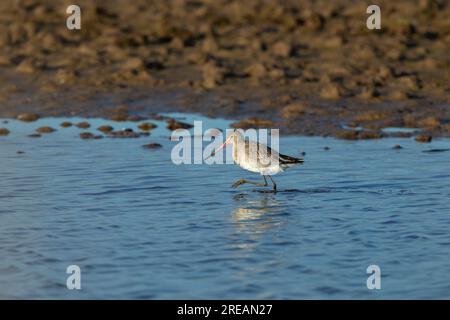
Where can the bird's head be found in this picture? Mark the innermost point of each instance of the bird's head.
(230, 140)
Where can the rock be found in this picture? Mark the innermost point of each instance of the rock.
(4, 132)
(281, 49)
(352, 124)
(398, 95)
(133, 63)
(4, 61)
(399, 134)
(331, 91)
(83, 125)
(253, 123)
(314, 20)
(347, 134)
(86, 135)
(65, 124)
(424, 138)
(212, 75)
(370, 135)
(196, 57)
(89, 135)
(105, 128)
(429, 63)
(257, 71)
(209, 45)
(384, 72)
(397, 147)
(45, 130)
(368, 93)
(121, 109)
(147, 126)
(409, 121)
(357, 134)
(294, 110)
(34, 135)
(20, 152)
(135, 118)
(409, 82)
(276, 73)
(158, 117)
(127, 133)
(429, 122)
(28, 117)
(326, 148)
(173, 124)
(119, 117)
(333, 42)
(176, 43)
(152, 146)
(64, 76)
(26, 66)
(372, 115)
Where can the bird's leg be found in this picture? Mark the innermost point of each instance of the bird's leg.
(274, 184)
(265, 181)
(242, 181)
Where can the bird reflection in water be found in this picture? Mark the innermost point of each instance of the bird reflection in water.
(254, 217)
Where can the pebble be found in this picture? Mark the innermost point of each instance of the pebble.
(83, 125)
(330, 92)
(28, 117)
(147, 126)
(4, 132)
(89, 135)
(45, 130)
(281, 49)
(135, 118)
(65, 124)
(152, 146)
(424, 138)
(105, 128)
(126, 133)
(119, 117)
(173, 124)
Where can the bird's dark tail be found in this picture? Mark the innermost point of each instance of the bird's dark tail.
(288, 160)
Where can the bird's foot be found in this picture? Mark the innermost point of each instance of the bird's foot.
(238, 183)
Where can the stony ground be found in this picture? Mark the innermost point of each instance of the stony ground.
(306, 67)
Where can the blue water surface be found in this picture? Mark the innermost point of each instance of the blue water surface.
(140, 227)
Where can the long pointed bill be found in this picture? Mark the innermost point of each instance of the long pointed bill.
(219, 148)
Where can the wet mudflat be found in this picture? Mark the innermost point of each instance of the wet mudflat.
(141, 227)
(306, 67)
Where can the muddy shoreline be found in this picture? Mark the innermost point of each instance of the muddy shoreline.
(310, 69)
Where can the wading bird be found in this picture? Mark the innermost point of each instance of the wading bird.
(257, 157)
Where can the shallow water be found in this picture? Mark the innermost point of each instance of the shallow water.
(140, 227)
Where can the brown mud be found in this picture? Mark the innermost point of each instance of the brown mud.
(311, 68)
